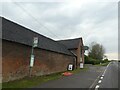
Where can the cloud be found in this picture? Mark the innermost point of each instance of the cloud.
(94, 21)
(112, 56)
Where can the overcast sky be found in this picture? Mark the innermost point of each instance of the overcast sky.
(66, 19)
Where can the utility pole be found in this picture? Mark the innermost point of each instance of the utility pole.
(35, 44)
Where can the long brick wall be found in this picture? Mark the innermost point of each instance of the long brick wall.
(16, 57)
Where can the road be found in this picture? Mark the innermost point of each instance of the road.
(83, 79)
(110, 79)
(90, 78)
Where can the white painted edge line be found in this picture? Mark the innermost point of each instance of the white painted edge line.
(102, 75)
(99, 77)
(94, 82)
(99, 81)
(106, 69)
(97, 86)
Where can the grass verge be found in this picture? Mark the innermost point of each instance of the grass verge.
(34, 81)
(103, 64)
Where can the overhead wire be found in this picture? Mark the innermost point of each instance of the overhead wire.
(46, 28)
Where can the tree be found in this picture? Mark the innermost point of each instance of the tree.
(96, 51)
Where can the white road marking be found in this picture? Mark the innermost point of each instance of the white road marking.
(99, 81)
(106, 69)
(97, 86)
(102, 75)
(94, 82)
(101, 78)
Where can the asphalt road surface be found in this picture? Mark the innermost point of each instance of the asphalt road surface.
(111, 79)
(83, 79)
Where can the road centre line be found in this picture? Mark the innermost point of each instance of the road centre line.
(97, 86)
(99, 81)
(99, 77)
(94, 82)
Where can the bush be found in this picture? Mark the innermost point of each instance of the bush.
(94, 61)
(105, 61)
(89, 60)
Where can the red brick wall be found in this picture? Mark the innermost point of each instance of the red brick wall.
(16, 57)
(78, 52)
(75, 51)
(82, 50)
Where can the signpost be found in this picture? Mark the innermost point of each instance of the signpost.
(81, 65)
(70, 67)
(32, 61)
(35, 44)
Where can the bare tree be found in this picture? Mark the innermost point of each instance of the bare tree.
(96, 51)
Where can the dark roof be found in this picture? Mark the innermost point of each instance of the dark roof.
(71, 43)
(17, 33)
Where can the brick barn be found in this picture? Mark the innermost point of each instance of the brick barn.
(76, 47)
(50, 56)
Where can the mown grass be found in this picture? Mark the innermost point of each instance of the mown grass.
(103, 64)
(34, 81)
(30, 81)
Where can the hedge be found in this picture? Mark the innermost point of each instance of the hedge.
(89, 60)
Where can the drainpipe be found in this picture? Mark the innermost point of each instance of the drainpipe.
(75, 59)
